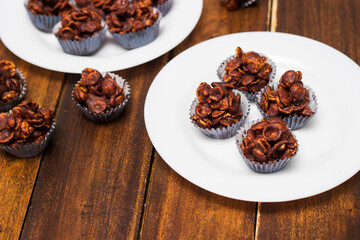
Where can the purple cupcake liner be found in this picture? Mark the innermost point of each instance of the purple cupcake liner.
(141, 38)
(164, 8)
(225, 132)
(251, 96)
(42, 22)
(112, 113)
(29, 149)
(83, 47)
(293, 122)
(8, 105)
(269, 167)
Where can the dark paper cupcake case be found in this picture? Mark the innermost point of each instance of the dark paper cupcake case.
(29, 149)
(141, 38)
(245, 3)
(112, 113)
(42, 22)
(230, 131)
(251, 96)
(164, 8)
(269, 167)
(6, 106)
(293, 122)
(84, 47)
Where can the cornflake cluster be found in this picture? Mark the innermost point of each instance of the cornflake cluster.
(291, 97)
(218, 106)
(97, 93)
(269, 140)
(10, 82)
(248, 72)
(127, 16)
(79, 24)
(50, 7)
(102, 7)
(27, 123)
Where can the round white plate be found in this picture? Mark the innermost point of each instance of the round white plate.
(42, 49)
(328, 151)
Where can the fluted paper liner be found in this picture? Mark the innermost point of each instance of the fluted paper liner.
(269, 167)
(82, 47)
(113, 112)
(29, 149)
(251, 96)
(225, 132)
(293, 122)
(41, 21)
(164, 8)
(8, 105)
(140, 38)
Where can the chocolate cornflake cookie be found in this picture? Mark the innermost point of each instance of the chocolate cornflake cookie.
(27, 123)
(10, 81)
(248, 72)
(218, 106)
(289, 99)
(127, 16)
(232, 5)
(79, 24)
(49, 7)
(99, 94)
(268, 140)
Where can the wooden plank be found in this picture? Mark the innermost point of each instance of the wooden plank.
(177, 209)
(17, 176)
(331, 215)
(92, 181)
(334, 214)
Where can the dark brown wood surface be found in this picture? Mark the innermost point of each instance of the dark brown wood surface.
(106, 181)
(18, 176)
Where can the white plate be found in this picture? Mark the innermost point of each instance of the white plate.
(42, 49)
(328, 152)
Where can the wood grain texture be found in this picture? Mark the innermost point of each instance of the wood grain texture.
(217, 21)
(336, 213)
(17, 176)
(177, 209)
(92, 180)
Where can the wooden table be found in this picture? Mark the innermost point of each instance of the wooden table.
(106, 181)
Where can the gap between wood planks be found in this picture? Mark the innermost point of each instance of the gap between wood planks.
(271, 26)
(66, 77)
(147, 184)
